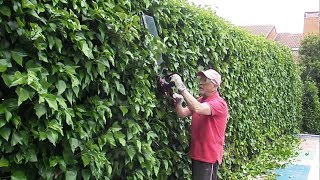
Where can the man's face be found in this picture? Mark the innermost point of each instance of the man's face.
(206, 86)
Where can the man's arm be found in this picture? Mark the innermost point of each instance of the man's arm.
(194, 105)
(181, 111)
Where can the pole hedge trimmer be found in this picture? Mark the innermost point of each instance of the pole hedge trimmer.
(163, 75)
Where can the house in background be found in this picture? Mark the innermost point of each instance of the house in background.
(270, 32)
(311, 26)
(292, 41)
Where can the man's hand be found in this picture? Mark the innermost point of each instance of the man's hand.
(178, 98)
(178, 82)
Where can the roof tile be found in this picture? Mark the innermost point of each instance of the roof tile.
(290, 40)
(259, 29)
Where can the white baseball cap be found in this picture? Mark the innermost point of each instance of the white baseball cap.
(211, 74)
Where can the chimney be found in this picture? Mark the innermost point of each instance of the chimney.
(311, 23)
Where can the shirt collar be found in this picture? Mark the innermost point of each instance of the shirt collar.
(212, 96)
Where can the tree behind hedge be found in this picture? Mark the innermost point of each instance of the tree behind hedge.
(79, 94)
(310, 58)
(310, 63)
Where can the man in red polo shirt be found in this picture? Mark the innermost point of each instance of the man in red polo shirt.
(209, 119)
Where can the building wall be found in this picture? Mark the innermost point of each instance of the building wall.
(311, 23)
(296, 58)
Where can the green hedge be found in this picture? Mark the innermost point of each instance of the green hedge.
(79, 95)
(311, 108)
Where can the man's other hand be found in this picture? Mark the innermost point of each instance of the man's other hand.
(178, 98)
(178, 82)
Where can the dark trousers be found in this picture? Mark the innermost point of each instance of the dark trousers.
(204, 171)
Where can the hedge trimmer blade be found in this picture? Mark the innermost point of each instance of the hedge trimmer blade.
(148, 22)
(166, 87)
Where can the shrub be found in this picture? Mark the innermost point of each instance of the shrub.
(310, 65)
(311, 108)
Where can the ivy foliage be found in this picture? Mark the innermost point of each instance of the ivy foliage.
(79, 98)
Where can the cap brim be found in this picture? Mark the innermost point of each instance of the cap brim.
(201, 73)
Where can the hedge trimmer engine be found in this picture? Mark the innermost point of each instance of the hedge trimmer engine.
(165, 85)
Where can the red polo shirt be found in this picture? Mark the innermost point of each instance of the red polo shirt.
(208, 131)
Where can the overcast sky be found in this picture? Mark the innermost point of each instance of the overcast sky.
(286, 15)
